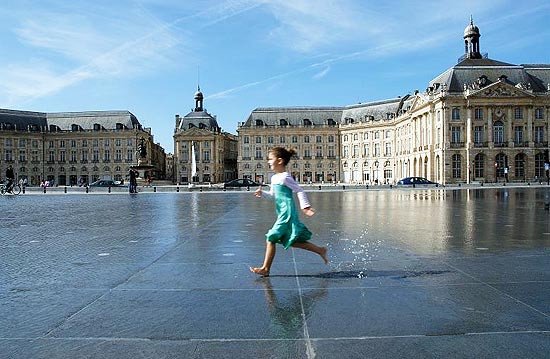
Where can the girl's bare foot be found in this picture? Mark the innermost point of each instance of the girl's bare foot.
(260, 271)
(323, 254)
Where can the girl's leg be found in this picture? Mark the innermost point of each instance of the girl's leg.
(322, 251)
(270, 251)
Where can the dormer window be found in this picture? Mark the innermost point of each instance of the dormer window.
(54, 128)
(331, 122)
(75, 128)
(283, 122)
(503, 78)
(259, 123)
(120, 126)
(191, 125)
(202, 126)
(97, 127)
(307, 122)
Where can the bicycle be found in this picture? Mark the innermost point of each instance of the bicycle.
(15, 189)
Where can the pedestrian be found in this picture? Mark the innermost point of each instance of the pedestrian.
(287, 230)
(10, 178)
(133, 181)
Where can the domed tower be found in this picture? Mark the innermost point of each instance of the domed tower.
(471, 41)
(198, 100)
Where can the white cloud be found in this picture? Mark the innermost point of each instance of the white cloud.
(321, 73)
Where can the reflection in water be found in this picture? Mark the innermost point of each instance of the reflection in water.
(286, 315)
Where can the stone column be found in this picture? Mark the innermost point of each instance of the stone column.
(530, 126)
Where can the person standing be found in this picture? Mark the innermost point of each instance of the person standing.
(287, 230)
(133, 181)
(10, 178)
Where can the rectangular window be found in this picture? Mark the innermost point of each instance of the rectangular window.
(331, 152)
(22, 143)
(478, 134)
(518, 113)
(388, 149)
(73, 143)
(61, 143)
(118, 155)
(282, 139)
(84, 156)
(206, 156)
(246, 139)
(518, 135)
(455, 113)
(9, 156)
(318, 139)
(319, 151)
(106, 142)
(62, 156)
(539, 134)
(258, 139)
(366, 151)
(259, 153)
(270, 139)
(73, 156)
(478, 114)
(539, 114)
(106, 156)
(84, 143)
(118, 142)
(376, 150)
(22, 156)
(455, 134)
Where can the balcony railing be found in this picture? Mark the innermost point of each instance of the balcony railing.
(541, 144)
(481, 144)
(457, 144)
(501, 144)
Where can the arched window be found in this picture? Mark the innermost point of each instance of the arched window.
(519, 166)
(283, 122)
(498, 132)
(500, 162)
(539, 165)
(307, 122)
(331, 122)
(456, 166)
(106, 169)
(479, 165)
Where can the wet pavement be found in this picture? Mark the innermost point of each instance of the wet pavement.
(440, 273)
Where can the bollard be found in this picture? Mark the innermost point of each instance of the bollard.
(248, 188)
(319, 187)
(154, 188)
(109, 189)
(528, 183)
(23, 189)
(391, 186)
(177, 189)
(503, 184)
(200, 190)
(44, 189)
(87, 189)
(367, 186)
(65, 189)
(414, 185)
(481, 184)
(343, 188)
(224, 189)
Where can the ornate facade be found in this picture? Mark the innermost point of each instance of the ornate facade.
(215, 151)
(71, 148)
(481, 120)
(313, 132)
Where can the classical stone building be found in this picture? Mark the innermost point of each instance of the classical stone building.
(481, 120)
(312, 131)
(215, 151)
(71, 148)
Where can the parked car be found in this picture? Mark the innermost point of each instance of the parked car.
(241, 182)
(416, 181)
(105, 183)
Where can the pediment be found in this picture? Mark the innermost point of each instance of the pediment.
(195, 131)
(419, 101)
(500, 89)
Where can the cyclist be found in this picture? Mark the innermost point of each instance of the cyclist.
(10, 177)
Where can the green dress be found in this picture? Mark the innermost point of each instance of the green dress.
(287, 229)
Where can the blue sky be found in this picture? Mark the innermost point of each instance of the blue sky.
(144, 55)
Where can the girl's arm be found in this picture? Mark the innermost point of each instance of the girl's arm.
(295, 187)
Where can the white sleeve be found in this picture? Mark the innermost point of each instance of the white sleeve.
(295, 187)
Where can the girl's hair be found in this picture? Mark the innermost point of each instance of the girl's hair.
(283, 153)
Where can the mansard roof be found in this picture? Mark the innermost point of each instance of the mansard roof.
(375, 111)
(108, 120)
(22, 120)
(200, 119)
(294, 116)
(478, 73)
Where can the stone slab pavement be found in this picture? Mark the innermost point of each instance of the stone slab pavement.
(438, 273)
